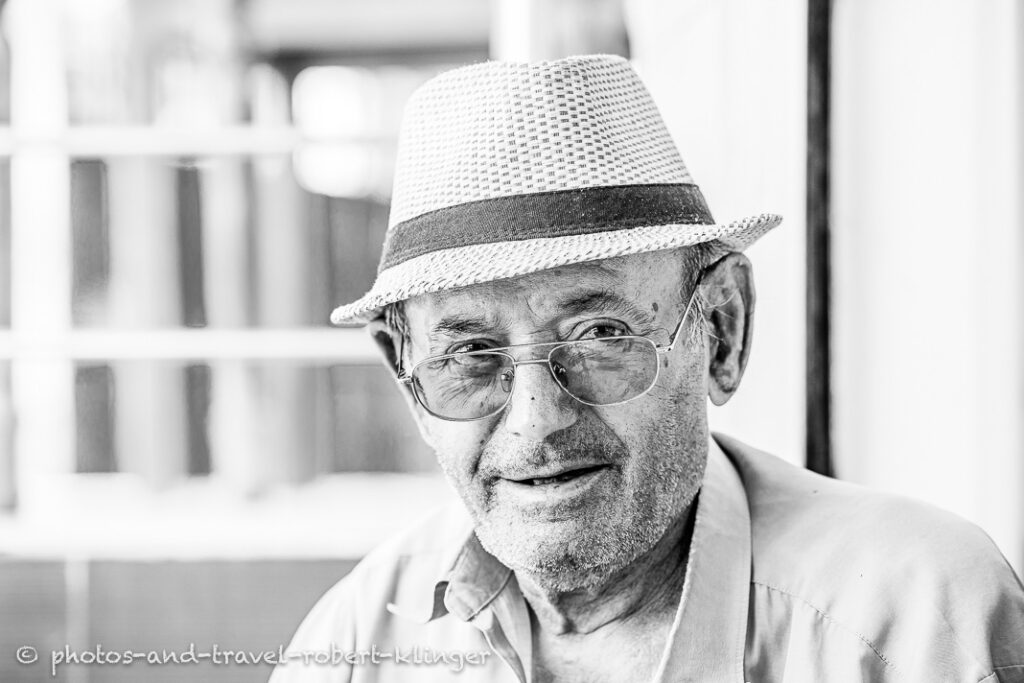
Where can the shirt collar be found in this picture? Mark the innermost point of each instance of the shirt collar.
(708, 637)
(475, 580)
(462, 578)
(709, 631)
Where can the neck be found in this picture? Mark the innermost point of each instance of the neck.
(648, 586)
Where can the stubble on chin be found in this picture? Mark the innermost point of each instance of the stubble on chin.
(603, 536)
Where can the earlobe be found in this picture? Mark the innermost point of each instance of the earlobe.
(728, 289)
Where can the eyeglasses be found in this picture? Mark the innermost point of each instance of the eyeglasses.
(473, 385)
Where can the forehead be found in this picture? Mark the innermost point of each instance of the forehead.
(638, 280)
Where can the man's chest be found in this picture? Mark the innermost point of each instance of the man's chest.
(620, 655)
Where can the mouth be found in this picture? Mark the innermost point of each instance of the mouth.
(560, 477)
(558, 494)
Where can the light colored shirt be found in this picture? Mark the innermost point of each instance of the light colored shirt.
(791, 577)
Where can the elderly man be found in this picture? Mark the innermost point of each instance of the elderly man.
(557, 304)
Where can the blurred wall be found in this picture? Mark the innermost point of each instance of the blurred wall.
(928, 233)
(251, 605)
(929, 246)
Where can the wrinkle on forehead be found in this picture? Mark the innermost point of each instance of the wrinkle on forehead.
(532, 287)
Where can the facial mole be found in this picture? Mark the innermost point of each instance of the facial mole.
(533, 398)
(654, 306)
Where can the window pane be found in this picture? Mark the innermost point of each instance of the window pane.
(218, 242)
(255, 424)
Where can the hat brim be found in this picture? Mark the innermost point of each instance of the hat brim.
(448, 269)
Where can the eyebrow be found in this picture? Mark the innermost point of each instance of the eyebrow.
(604, 301)
(455, 325)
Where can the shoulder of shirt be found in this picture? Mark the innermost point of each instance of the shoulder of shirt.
(428, 547)
(402, 570)
(866, 559)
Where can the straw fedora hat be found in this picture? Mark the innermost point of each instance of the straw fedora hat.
(505, 169)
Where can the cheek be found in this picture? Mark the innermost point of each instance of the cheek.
(672, 409)
(682, 376)
(458, 445)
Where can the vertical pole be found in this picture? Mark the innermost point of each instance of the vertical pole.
(41, 248)
(149, 419)
(8, 471)
(1019, 23)
(819, 408)
(283, 255)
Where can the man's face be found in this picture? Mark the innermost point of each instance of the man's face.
(567, 492)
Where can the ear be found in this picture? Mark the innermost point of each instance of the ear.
(728, 290)
(389, 343)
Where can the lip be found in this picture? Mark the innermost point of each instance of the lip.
(554, 476)
(553, 488)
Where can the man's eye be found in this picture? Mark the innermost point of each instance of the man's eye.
(466, 347)
(603, 330)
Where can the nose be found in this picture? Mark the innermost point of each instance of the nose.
(538, 406)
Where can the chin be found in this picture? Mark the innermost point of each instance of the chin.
(568, 555)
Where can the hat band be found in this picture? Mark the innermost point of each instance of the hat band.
(545, 214)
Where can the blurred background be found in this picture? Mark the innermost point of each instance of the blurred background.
(189, 453)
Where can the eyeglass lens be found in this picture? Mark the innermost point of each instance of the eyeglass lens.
(477, 384)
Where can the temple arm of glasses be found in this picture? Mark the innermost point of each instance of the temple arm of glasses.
(679, 326)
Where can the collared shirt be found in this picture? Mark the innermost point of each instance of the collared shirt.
(791, 577)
